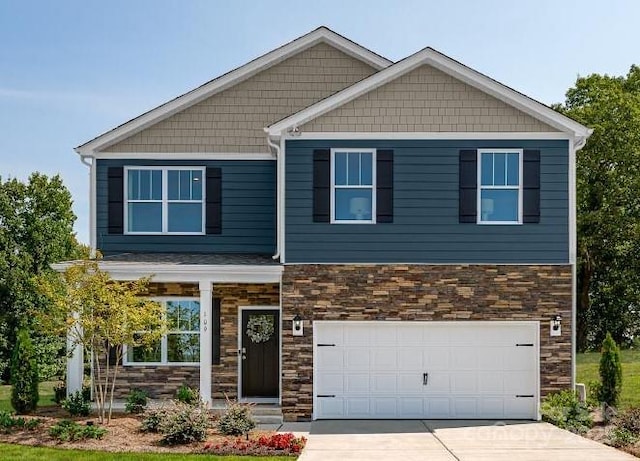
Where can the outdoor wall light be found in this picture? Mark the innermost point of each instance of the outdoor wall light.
(298, 325)
(556, 325)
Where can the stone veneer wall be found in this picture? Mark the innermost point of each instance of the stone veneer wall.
(163, 381)
(421, 292)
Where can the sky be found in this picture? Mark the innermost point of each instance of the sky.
(72, 69)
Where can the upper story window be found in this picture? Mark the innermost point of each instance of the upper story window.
(500, 186)
(353, 198)
(164, 200)
(181, 344)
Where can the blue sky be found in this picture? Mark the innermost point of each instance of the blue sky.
(71, 69)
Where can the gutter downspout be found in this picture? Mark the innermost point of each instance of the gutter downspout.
(279, 194)
(92, 199)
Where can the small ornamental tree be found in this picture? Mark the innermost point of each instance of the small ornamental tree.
(102, 315)
(24, 375)
(610, 371)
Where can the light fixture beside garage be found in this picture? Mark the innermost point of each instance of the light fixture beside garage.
(298, 325)
(556, 325)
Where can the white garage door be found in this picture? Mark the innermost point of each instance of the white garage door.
(426, 370)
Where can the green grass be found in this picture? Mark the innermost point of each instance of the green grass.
(46, 395)
(587, 370)
(10, 452)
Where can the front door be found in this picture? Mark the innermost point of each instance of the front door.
(259, 349)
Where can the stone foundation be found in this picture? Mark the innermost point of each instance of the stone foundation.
(421, 292)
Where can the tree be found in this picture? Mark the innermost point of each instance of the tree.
(608, 206)
(36, 230)
(101, 315)
(610, 372)
(24, 375)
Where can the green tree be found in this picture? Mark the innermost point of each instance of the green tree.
(24, 375)
(101, 315)
(36, 230)
(610, 371)
(608, 206)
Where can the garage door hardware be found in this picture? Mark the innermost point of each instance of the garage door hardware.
(524, 345)
(528, 396)
(425, 379)
(326, 345)
(326, 395)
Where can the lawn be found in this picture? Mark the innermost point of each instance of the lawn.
(19, 452)
(46, 395)
(587, 370)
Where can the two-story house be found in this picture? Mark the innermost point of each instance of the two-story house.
(347, 236)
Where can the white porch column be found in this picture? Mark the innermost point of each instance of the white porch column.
(75, 364)
(205, 340)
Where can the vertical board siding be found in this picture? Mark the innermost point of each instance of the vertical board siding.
(248, 212)
(426, 227)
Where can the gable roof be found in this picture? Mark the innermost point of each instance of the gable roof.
(319, 35)
(429, 56)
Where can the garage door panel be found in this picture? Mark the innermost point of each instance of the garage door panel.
(385, 336)
(385, 384)
(438, 408)
(358, 335)
(414, 335)
(464, 382)
(330, 358)
(464, 358)
(357, 383)
(384, 359)
(410, 383)
(465, 407)
(385, 407)
(357, 358)
(490, 382)
(408, 358)
(438, 383)
(436, 358)
(412, 407)
(358, 407)
(330, 383)
(330, 407)
(491, 407)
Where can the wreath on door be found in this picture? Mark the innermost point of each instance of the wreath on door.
(260, 328)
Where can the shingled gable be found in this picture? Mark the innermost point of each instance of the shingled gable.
(230, 79)
(430, 57)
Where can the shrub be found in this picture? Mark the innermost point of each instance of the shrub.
(564, 410)
(276, 444)
(236, 420)
(629, 420)
(610, 372)
(188, 395)
(594, 389)
(70, 431)
(184, 423)
(152, 419)
(77, 404)
(136, 401)
(59, 392)
(8, 422)
(621, 437)
(24, 375)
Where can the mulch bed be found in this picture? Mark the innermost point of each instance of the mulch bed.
(600, 430)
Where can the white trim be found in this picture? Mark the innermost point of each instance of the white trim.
(505, 323)
(320, 35)
(401, 263)
(479, 153)
(426, 135)
(240, 335)
(282, 200)
(164, 199)
(332, 185)
(431, 57)
(184, 156)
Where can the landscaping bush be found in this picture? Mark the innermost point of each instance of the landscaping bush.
(77, 404)
(629, 419)
(8, 422)
(621, 437)
(70, 431)
(188, 395)
(236, 420)
(564, 410)
(184, 423)
(273, 445)
(60, 392)
(610, 372)
(152, 420)
(136, 401)
(24, 375)
(594, 390)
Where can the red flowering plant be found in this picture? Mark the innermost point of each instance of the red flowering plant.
(275, 444)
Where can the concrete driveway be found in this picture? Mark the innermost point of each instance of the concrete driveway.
(449, 440)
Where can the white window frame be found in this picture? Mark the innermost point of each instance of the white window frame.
(164, 345)
(519, 188)
(165, 199)
(373, 186)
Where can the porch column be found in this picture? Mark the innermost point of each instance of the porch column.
(205, 340)
(75, 363)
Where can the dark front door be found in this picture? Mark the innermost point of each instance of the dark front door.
(260, 353)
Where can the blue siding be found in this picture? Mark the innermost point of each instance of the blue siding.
(248, 212)
(425, 227)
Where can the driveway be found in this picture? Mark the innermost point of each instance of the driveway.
(448, 440)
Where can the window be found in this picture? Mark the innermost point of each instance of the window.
(353, 186)
(181, 345)
(500, 183)
(164, 200)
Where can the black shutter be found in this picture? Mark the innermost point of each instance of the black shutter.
(115, 186)
(531, 186)
(214, 201)
(321, 185)
(384, 185)
(113, 359)
(468, 178)
(215, 341)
